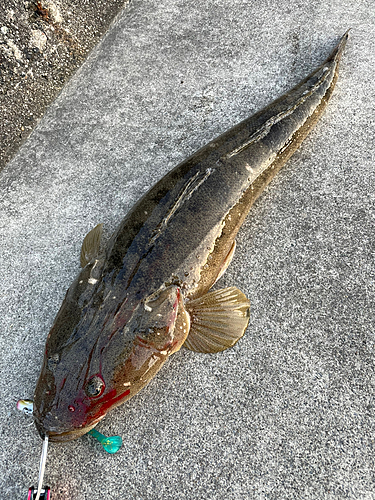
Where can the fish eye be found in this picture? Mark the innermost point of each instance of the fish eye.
(95, 386)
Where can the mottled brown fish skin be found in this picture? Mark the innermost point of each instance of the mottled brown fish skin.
(128, 310)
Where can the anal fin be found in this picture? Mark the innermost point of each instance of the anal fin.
(227, 261)
(218, 320)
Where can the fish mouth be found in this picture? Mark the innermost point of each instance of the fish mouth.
(61, 437)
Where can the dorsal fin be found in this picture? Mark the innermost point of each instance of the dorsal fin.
(91, 245)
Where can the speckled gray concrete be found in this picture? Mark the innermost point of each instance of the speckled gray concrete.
(289, 411)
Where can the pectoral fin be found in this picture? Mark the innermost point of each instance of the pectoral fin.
(218, 320)
(91, 244)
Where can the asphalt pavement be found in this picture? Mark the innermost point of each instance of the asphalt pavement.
(288, 412)
(42, 44)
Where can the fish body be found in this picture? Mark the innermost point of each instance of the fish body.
(146, 293)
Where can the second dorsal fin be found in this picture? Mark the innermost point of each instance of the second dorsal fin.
(91, 245)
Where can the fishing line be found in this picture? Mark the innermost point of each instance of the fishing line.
(42, 466)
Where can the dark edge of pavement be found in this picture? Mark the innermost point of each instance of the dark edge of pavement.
(42, 44)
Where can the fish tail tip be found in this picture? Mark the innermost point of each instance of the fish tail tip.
(345, 37)
(335, 56)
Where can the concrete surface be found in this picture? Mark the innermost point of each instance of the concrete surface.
(42, 43)
(288, 413)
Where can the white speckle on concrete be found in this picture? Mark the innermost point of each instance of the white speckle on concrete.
(16, 51)
(54, 11)
(38, 39)
(10, 15)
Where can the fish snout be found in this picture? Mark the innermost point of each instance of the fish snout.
(40, 428)
(62, 422)
(59, 431)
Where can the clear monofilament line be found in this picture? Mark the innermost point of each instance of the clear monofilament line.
(42, 467)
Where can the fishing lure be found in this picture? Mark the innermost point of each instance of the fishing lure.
(110, 444)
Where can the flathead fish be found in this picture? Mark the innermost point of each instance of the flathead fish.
(145, 293)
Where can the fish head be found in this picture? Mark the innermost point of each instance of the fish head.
(98, 364)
